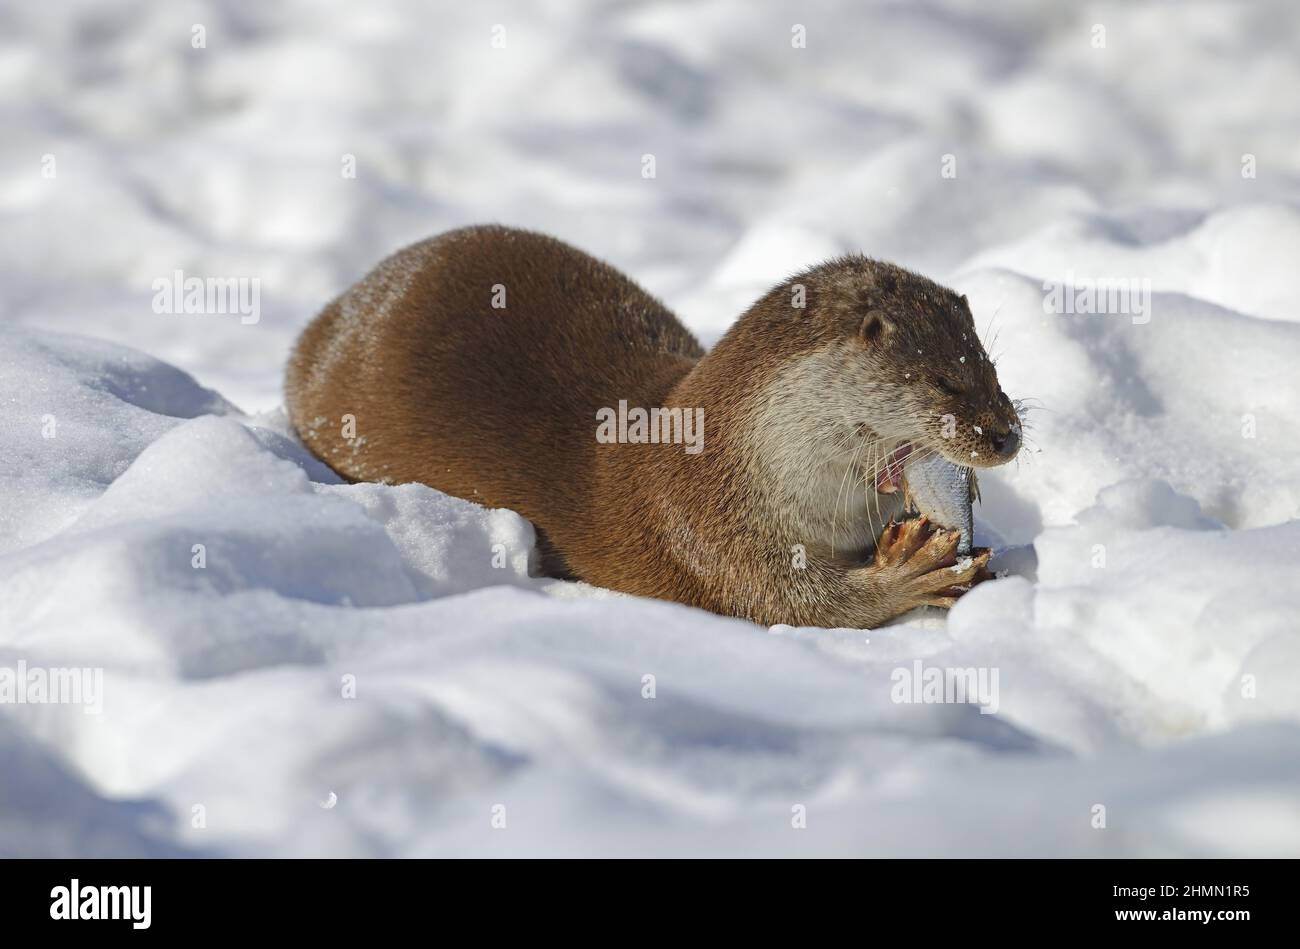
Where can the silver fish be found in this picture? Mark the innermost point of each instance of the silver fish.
(943, 492)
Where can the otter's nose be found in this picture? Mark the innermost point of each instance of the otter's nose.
(1006, 443)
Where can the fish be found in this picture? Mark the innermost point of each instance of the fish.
(943, 493)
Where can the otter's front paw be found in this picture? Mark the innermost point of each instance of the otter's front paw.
(922, 564)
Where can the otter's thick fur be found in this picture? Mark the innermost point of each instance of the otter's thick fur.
(482, 361)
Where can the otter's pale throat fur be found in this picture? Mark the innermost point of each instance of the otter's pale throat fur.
(805, 401)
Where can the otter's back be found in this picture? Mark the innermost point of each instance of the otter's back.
(459, 355)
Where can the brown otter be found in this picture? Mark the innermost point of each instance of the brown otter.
(499, 366)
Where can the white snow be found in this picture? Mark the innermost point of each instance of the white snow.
(232, 590)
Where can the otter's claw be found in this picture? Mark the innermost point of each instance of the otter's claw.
(924, 566)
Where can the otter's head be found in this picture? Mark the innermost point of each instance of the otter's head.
(897, 359)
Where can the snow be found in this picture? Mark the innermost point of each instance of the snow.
(272, 639)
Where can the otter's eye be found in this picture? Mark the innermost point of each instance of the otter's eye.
(946, 386)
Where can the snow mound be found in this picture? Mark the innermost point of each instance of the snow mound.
(77, 413)
(272, 640)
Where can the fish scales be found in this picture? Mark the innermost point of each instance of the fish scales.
(941, 491)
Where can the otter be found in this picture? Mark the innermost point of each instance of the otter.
(510, 369)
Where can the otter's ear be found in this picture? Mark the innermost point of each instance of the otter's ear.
(965, 302)
(875, 326)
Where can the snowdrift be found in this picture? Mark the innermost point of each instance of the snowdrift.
(272, 640)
